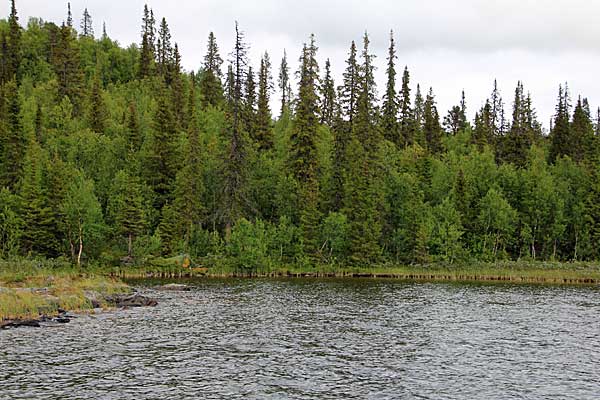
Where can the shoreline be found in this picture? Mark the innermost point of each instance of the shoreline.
(50, 296)
(42, 295)
(508, 273)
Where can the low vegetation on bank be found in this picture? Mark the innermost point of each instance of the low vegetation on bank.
(28, 290)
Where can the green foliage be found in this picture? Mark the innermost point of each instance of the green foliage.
(84, 222)
(120, 151)
(10, 225)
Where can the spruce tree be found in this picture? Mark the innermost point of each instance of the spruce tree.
(362, 184)
(39, 124)
(38, 238)
(264, 133)
(161, 159)
(249, 106)
(389, 118)
(98, 113)
(87, 29)
(13, 45)
(285, 85)
(12, 141)
(483, 131)
(348, 97)
(519, 138)
(69, 16)
(147, 49)
(456, 120)
(189, 186)
(127, 209)
(177, 89)
(133, 131)
(211, 89)
(304, 158)
(235, 173)
(164, 52)
(407, 121)
(230, 88)
(418, 117)
(583, 144)
(328, 100)
(65, 60)
(432, 130)
(561, 139)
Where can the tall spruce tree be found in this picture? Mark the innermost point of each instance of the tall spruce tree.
(164, 52)
(456, 119)
(304, 157)
(147, 50)
(348, 92)
(235, 174)
(128, 209)
(38, 238)
(519, 138)
(87, 30)
(189, 185)
(211, 89)
(431, 124)
(328, 100)
(69, 16)
(249, 106)
(98, 113)
(389, 118)
(66, 63)
(561, 140)
(161, 159)
(418, 117)
(13, 46)
(407, 120)
(582, 132)
(363, 195)
(285, 85)
(483, 131)
(177, 89)
(264, 132)
(12, 140)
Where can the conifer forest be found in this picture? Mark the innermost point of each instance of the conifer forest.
(112, 154)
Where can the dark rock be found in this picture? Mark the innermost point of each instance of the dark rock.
(18, 323)
(135, 300)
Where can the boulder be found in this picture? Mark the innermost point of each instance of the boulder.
(135, 300)
(18, 323)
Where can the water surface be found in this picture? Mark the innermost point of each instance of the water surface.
(319, 339)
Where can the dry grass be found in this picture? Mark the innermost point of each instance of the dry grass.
(44, 291)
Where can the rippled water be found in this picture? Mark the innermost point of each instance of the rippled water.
(322, 339)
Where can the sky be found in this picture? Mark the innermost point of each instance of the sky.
(450, 45)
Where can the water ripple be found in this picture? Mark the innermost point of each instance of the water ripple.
(328, 339)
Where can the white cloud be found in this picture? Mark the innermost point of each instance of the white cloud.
(447, 44)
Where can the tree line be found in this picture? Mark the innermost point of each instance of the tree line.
(110, 154)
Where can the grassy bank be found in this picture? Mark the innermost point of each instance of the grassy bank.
(28, 290)
(517, 272)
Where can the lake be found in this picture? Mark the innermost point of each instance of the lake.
(319, 339)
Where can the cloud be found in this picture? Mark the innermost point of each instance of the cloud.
(448, 44)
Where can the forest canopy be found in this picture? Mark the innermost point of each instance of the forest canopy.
(110, 153)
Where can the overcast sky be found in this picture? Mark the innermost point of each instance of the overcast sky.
(450, 45)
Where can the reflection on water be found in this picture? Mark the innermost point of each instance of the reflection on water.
(319, 339)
